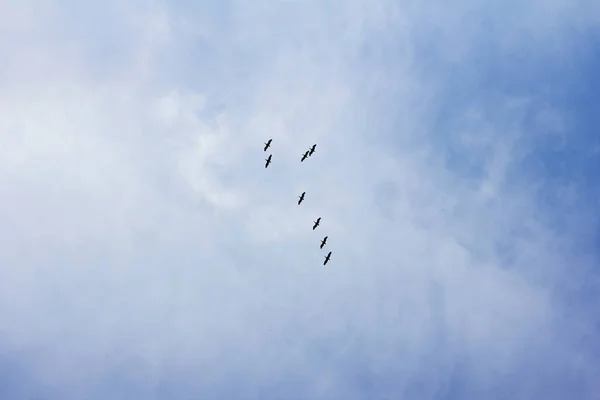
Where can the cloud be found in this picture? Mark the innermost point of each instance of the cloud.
(147, 252)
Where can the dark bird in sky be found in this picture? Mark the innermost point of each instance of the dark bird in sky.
(327, 257)
(304, 156)
(323, 242)
(301, 198)
(316, 223)
(312, 150)
(268, 144)
(268, 160)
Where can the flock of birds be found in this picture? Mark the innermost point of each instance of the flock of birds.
(307, 154)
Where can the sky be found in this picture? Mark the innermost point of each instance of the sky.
(145, 251)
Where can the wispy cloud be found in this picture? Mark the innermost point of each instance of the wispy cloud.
(145, 251)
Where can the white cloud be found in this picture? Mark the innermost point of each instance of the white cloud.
(140, 231)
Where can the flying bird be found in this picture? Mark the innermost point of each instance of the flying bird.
(323, 242)
(268, 160)
(316, 223)
(268, 144)
(327, 257)
(312, 149)
(305, 155)
(301, 198)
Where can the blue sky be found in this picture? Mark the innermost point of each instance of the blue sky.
(146, 253)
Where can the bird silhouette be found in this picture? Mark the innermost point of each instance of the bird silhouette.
(323, 242)
(301, 198)
(268, 144)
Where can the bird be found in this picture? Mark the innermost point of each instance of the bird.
(301, 198)
(312, 150)
(268, 160)
(327, 257)
(304, 156)
(268, 144)
(316, 223)
(323, 242)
